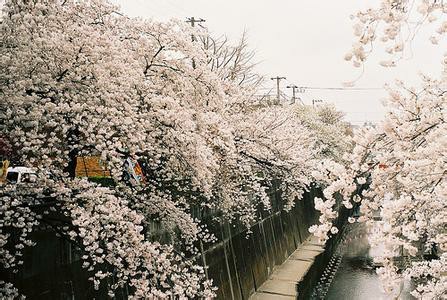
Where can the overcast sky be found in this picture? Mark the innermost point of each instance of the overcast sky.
(304, 41)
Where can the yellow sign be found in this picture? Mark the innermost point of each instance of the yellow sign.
(91, 166)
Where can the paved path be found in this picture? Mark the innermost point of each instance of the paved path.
(282, 283)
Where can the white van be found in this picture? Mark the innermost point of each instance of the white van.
(17, 175)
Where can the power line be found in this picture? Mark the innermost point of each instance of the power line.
(303, 88)
(341, 88)
(176, 7)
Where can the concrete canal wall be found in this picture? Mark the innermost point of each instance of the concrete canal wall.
(240, 264)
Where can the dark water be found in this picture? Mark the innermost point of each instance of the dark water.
(355, 279)
(353, 275)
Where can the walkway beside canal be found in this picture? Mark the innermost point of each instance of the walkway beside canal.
(283, 282)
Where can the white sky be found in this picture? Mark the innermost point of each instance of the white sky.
(304, 41)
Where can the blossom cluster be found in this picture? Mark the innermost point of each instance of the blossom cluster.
(394, 25)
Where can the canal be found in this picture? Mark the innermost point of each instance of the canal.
(351, 274)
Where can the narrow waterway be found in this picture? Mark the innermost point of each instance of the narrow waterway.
(351, 274)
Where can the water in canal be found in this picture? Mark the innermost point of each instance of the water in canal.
(351, 274)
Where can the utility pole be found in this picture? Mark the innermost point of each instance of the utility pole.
(316, 101)
(193, 22)
(294, 88)
(278, 79)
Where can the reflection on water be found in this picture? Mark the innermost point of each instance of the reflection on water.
(354, 277)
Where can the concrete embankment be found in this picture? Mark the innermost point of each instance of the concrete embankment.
(278, 260)
(295, 277)
(241, 264)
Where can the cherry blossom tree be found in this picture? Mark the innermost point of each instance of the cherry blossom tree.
(78, 78)
(232, 62)
(271, 144)
(403, 159)
(331, 135)
(409, 186)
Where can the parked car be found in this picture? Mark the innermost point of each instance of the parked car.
(17, 175)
